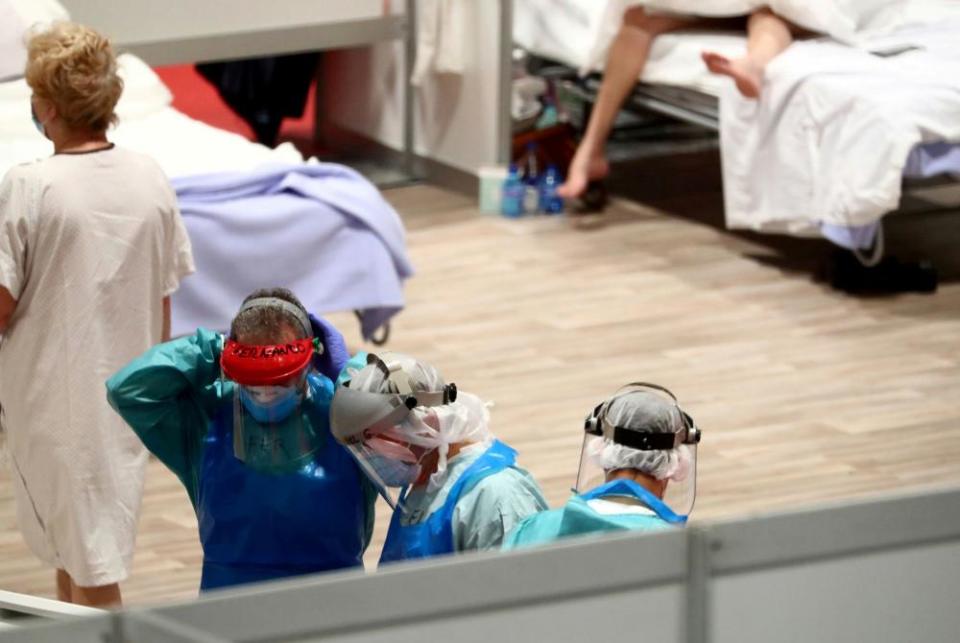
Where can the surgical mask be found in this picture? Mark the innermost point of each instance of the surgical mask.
(270, 403)
(393, 473)
(36, 122)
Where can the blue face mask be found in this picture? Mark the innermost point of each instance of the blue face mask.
(393, 473)
(36, 121)
(276, 409)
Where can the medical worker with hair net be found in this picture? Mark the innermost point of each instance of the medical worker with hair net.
(637, 470)
(460, 488)
(243, 421)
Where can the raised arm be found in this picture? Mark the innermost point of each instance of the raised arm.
(168, 395)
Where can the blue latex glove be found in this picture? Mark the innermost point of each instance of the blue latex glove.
(335, 354)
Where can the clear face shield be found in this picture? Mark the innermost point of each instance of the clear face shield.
(667, 459)
(277, 427)
(368, 424)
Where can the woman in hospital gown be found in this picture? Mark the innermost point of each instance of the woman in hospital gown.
(91, 247)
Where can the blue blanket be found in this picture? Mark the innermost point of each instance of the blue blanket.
(321, 230)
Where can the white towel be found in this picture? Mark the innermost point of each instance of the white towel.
(440, 38)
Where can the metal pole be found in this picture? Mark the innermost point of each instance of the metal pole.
(410, 51)
(697, 614)
(504, 124)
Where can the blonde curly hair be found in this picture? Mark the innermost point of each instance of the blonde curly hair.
(75, 68)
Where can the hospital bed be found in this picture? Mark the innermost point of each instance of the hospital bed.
(563, 37)
(188, 150)
(883, 569)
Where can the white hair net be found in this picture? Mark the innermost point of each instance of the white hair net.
(430, 427)
(644, 410)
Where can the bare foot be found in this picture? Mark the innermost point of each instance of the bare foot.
(580, 173)
(747, 76)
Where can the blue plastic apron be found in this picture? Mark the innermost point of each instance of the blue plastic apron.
(434, 536)
(631, 489)
(258, 526)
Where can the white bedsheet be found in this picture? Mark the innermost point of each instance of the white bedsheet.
(578, 33)
(148, 124)
(829, 139)
(567, 30)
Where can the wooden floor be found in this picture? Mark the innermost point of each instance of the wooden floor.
(804, 395)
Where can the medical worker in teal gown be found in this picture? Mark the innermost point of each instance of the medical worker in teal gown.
(243, 421)
(637, 471)
(460, 489)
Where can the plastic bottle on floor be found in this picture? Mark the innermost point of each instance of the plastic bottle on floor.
(531, 180)
(550, 201)
(511, 204)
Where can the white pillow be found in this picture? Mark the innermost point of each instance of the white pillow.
(17, 17)
(34, 12)
(13, 55)
(143, 91)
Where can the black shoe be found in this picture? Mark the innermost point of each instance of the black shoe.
(594, 199)
(891, 275)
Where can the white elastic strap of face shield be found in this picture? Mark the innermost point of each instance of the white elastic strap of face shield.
(412, 428)
(457, 421)
(290, 308)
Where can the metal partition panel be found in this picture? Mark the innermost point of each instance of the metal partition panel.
(519, 587)
(896, 595)
(833, 531)
(604, 616)
(24, 604)
(81, 629)
(186, 31)
(178, 31)
(882, 570)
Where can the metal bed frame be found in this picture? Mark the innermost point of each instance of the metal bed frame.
(698, 108)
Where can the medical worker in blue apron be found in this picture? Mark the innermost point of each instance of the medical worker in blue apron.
(243, 421)
(637, 471)
(459, 488)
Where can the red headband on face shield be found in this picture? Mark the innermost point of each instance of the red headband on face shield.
(271, 365)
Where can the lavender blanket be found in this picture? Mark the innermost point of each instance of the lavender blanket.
(321, 230)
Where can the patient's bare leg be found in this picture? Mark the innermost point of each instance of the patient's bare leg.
(625, 61)
(767, 35)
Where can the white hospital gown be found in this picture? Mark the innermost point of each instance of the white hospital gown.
(89, 246)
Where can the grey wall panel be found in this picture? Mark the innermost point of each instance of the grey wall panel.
(440, 590)
(86, 629)
(891, 596)
(849, 527)
(183, 31)
(652, 614)
(880, 571)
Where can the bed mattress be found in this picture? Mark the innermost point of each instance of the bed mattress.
(148, 124)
